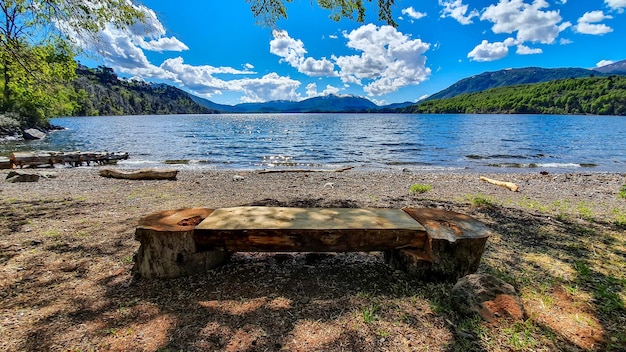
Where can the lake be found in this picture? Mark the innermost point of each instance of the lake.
(372, 141)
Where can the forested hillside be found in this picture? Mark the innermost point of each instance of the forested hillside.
(100, 92)
(511, 77)
(594, 95)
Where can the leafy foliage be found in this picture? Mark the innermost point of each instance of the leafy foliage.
(36, 51)
(268, 12)
(595, 95)
(100, 92)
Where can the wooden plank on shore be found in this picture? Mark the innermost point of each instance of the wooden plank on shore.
(38, 158)
(276, 229)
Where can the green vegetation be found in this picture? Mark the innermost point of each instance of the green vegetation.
(420, 188)
(269, 12)
(594, 95)
(99, 92)
(37, 56)
(622, 192)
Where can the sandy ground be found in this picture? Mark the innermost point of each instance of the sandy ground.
(66, 249)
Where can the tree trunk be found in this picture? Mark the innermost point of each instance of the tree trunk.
(456, 243)
(168, 248)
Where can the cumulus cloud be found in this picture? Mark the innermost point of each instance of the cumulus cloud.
(292, 52)
(389, 60)
(587, 24)
(616, 5)
(530, 21)
(269, 87)
(604, 63)
(457, 10)
(412, 13)
(524, 50)
(486, 51)
(311, 90)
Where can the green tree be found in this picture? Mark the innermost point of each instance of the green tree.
(268, 12)
(36, 51)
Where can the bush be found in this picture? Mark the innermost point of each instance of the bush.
(420, 188)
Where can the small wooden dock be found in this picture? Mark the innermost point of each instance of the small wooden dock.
(50, 158)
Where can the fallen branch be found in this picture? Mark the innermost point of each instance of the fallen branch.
(512, 186)
(142, 174)
(304, 170)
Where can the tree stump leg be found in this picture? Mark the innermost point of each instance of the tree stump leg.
(168, 248)
(454, 247)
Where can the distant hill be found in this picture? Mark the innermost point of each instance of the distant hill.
(614, 68)
(591, 95)
(328, 103)
(510, 77)
(100, 93)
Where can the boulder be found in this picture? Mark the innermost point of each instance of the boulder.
(487, 296)
(20, 176)
(33, 134)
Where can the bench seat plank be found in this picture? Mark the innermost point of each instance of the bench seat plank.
(277, 229)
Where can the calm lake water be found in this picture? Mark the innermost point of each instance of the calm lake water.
(375, 141)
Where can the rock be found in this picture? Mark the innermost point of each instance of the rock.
(488, 296)
(238, 178)
(20, 176)
(33, 134)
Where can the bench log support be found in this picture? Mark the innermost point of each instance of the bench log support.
(456, 243)
(168, 248)
(428, 243)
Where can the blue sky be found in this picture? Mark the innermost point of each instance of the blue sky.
(215, 49)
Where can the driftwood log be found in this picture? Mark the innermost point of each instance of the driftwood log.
(510, 185)
(168, 248)
(428, 243)
(141, 174)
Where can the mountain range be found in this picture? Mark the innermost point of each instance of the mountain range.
(104, 94)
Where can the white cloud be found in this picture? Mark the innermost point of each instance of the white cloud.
(411, 12)
(457, 10)
(587, 23)
(292, 52)
(486, 51)
(389, 60)
(617, 5)
(269, 87)
(311, 90)
(524, 50)
(529, 20)
(604, 63)
(565, 41)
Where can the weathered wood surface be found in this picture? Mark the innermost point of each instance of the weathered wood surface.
(456, 243)
(168, 248)
(428, 243)
(141, 174)
(49, 158)
(276, 229)
(509, 185)
(5, 163)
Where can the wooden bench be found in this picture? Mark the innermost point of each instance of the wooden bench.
(430, 243)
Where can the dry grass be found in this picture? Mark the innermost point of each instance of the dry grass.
(66, 248)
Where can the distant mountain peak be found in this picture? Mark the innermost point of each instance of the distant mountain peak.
(614, 68)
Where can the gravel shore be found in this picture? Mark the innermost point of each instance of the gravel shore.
(66, 247)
